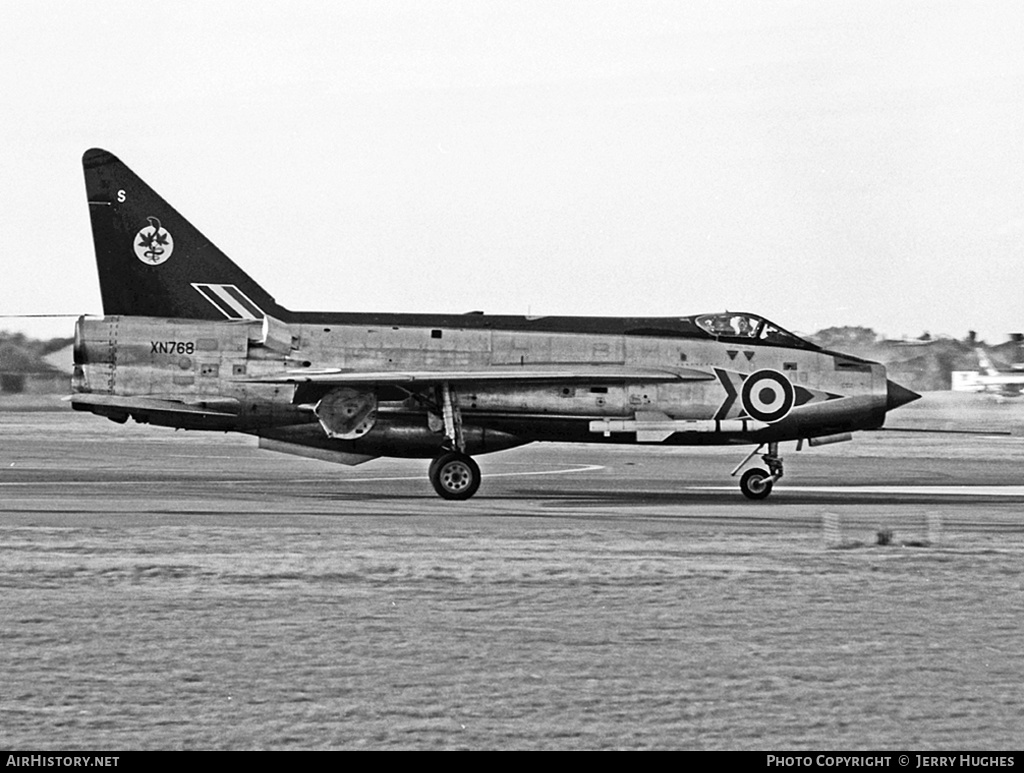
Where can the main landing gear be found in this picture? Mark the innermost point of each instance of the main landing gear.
(453, 474)
(757, 483)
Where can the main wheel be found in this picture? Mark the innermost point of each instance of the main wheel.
(455, 476)
(756, 484)
(433, 466)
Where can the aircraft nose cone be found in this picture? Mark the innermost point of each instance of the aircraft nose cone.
(897, 395)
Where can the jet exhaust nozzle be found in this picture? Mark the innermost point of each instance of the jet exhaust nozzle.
(897, 395)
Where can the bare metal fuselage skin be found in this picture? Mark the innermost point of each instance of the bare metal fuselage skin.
(139, 366)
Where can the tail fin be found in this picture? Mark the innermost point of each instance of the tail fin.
(153, 262)
(985, 363)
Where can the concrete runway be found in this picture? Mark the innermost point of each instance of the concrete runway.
(182, 590)
(51, 453)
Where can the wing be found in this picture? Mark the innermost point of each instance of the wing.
(560, 374)
(221, 407)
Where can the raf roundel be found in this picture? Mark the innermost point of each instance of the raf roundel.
(767, 395)
(153, 244)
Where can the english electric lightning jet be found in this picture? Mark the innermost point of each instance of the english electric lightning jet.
(189, 340)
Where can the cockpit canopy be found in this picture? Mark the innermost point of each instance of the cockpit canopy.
(741, 325)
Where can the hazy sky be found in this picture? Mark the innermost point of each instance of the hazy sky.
(821, 163)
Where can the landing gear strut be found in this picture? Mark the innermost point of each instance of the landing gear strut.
(757, 483)
(453, 474)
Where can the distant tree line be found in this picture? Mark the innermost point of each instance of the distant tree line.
(21, 357)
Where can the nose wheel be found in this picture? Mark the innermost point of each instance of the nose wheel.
(757, 483)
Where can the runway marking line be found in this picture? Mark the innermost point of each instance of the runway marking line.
(963, 491)
(566, 471)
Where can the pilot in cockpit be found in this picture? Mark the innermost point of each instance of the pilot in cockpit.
(743, 326)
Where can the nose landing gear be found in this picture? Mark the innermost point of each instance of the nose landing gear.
(757, 483)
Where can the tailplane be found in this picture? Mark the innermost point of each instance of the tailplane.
(153, 262)
(985, 363)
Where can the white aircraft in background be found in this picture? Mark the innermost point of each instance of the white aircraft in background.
(988, 378)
